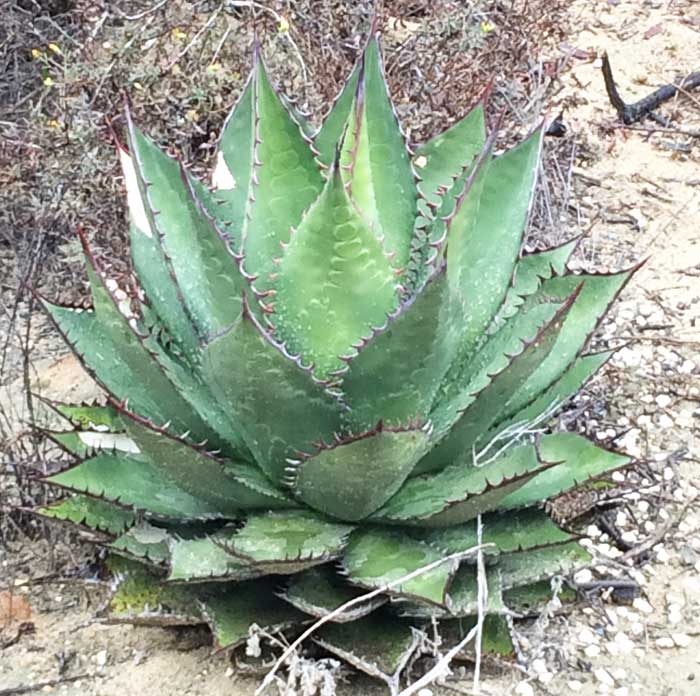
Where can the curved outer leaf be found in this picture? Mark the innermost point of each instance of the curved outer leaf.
(530, 271)
(366, 471)
(395, 374)
(319, 591)
(486, 405)
(556, 396)
(377, 163)
(286, 179)
(515, 570)
(140, 598)
(143, 542)
(273, 538)
(486, 232)
(225, 485)
(379, 645)
(520, 531)
(205, 560)
(330, 134)
(152, 266)
(443, 158)
(204, 269)
(95, 514)
(134, 482)
(581, 461)
(458, 494)
(97, 417)
(116, 357)
(335, 282)
(230, 613)
(263, 387)
(376, 557)
(232, 175)
(597, 294)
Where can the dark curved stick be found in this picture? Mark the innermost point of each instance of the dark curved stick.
(631, 113)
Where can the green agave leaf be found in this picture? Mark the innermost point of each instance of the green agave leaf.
(286, 179)
(515, 570)
(140, 598)
(376, 162)
(280, 538)
(204, 559)
(529, 600)
(94, 514)
(144, 542)
(262, 386)
(520, 531)
(232, 175)
(376, 557)
(530, 271)
(492, 388)
(379, 645)
(231, 613)
(395, 374)
(134, 482)
(335, 282)
(568, 385)
(495, 635)
(151, 263)
(459, 493)
(320, 591)
(118, 359)
(226, 486)
(596, 295)
(92, 417)
(486, 232)
(360, 486)
(330, 134)
(207, 275)
(581, 461)
(441, 160)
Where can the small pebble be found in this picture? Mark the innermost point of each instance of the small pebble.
(592, 651)
(604, 677)
(524, 689)
(575, 685)
(682, 640)
(641, 604)
(665, 642)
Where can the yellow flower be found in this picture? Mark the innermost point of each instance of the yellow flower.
(283, 26)
(48, 81)
(486, 27)
(178, 34)
(54, 48)
(213, 67)
(53, 123)
(36, 53)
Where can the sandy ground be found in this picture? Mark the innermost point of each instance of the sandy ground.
(638, 195)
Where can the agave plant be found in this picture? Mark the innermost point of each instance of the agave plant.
(337, 370)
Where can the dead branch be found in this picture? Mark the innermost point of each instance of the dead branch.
(632, 113)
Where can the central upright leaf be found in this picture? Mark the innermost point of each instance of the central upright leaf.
(285, 181)
(376, 162)
(335, 281)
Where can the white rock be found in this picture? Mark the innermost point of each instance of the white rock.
(622, 691)
(524, 689)
(604, 677)
(539, 666)
(101, 658)
(665, 421)
(545, 677)
(687, 366)
(662, 556)
(575, 685)
(663, 400)
(641, 604)
(665, 642)
(586, 636)
(425, 692)
(582, 576)
(682, 640)
(592, 651)
(618, 674)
